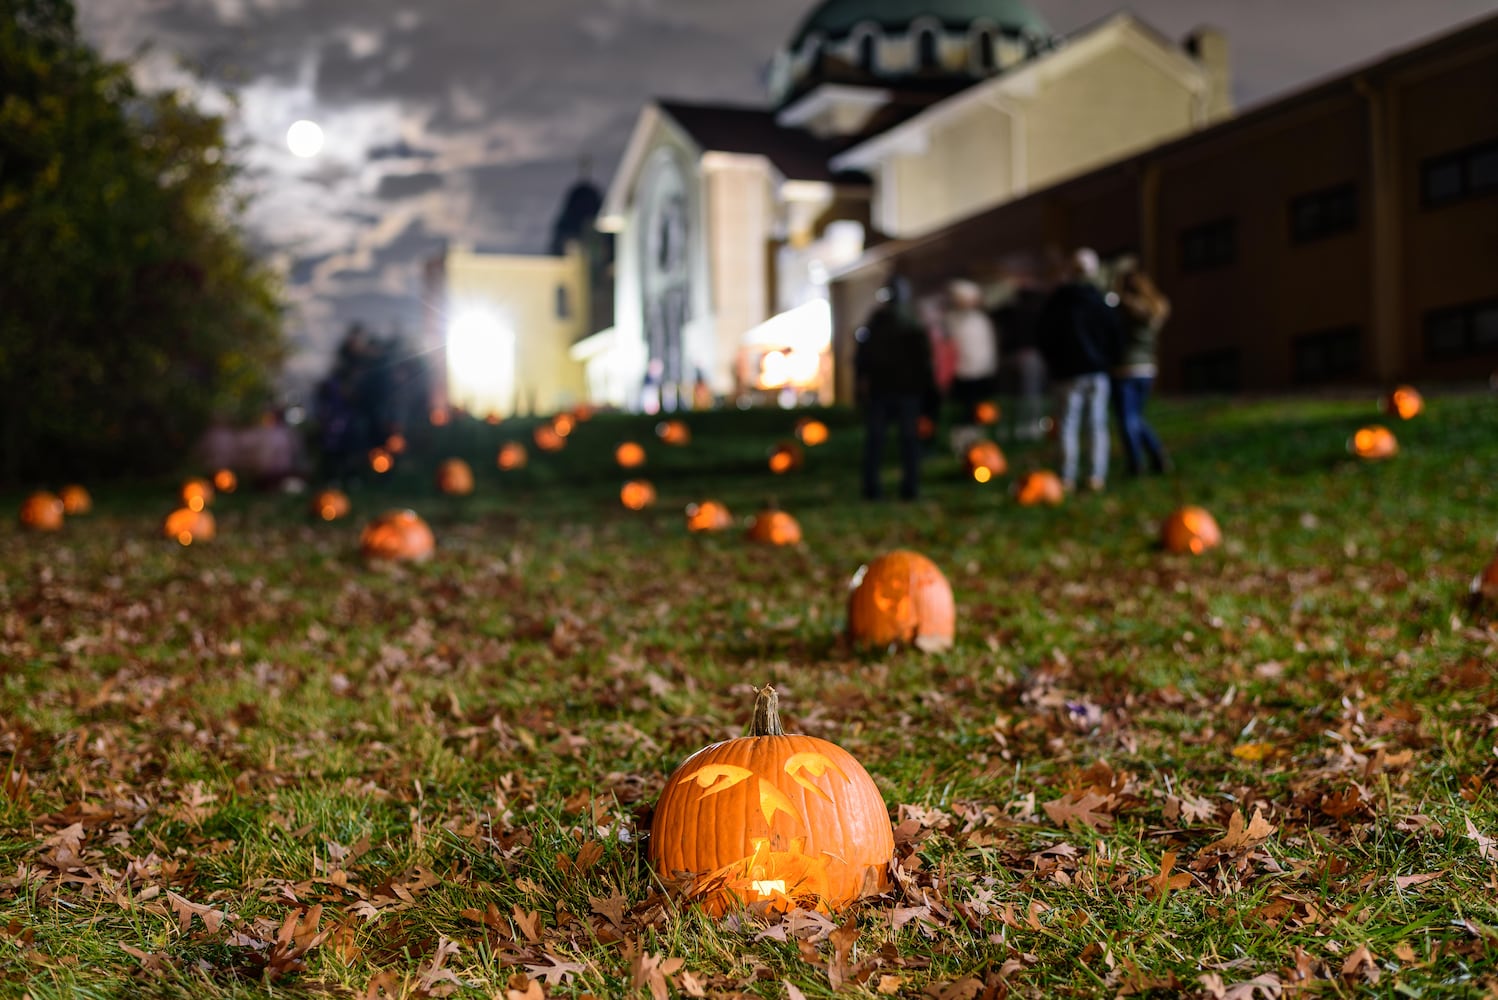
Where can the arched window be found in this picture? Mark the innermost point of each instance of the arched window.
(926, 54)
(866, 53)
(564, 303)
(987, 54)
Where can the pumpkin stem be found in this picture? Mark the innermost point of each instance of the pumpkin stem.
(767, 714)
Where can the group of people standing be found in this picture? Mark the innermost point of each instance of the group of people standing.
(1097, 344)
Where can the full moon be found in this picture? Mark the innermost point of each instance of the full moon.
(304, 138)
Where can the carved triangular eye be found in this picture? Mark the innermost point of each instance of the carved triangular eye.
(719, 777)
(773, 800)
(816, 765)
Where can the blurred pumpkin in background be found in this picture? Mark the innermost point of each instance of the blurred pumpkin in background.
(512, 455)
(637, 494)
(455, 478)
(42, 511)
(902, 597)
(196, 494)
(330, 504)
(397, 536)
(75, 500)
(629, 455)
(1039, 487)
(709, 515)
(1190, 529)
(187, 526)
(1373, 443)
(674, 432)
(774, 527)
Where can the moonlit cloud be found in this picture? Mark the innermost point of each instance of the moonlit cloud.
(464, 120)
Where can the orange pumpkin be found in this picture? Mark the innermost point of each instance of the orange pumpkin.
(773, 821)
(42, 511)
(786, 457)
(811, 432)
(563, 424)
(986, 460)
(512, 456)
(629, 455)
(196, 494)
(1373, 443)
(902, 597)
(583, 412)
(637, 494)
(1039, 487)
(493, 419)
(455, 478)
(547, 438)
(330, 504)
(397, 536)
(1404, 402)
(774, 527)
(396, 443)
(986, 412)
(225, 481)
(380, 460)
(1190, 529)
(439, 417)
(75, 500)
(709, 515)
(674, 432)
(187, 526)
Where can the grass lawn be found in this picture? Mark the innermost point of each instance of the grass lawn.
(255, 767)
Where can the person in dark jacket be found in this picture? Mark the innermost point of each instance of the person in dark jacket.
(893, 365)
(1079, 337)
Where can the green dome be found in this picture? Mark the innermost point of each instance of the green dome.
(836, 18)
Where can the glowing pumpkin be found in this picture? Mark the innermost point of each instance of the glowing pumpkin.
(786, 457)
(397, 536)
(512, 456)
(1039, 487)
(196, 494)
(774, 527)
(709, 515)
(811, 432)
(986, 412)
(637, 494)
(1373, 443)
(547, 438)
(455, 478)
(773, 821)
(493, 419)
(674, 432)
(439, 417)
(396, 443)
(187, 526)
(901, 597)
(985, 460)
(629, 455)
(42, 511)
(225, 481)
(380, 460)
(563, 424)
(1190, 529)
(330, 505)
(75, 500)
(1404, 402)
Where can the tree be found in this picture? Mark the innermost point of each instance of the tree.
(131, 311)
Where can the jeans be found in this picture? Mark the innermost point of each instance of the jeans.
(1129, 396)
(1073, 394)
(905, 410)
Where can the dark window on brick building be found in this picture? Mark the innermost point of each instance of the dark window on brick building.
(1212, 371)
(1465, 331)
(1453, 177)
(1209, 245)
(1328, 354)
(1319, 214)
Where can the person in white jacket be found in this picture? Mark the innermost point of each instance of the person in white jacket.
(975, 379)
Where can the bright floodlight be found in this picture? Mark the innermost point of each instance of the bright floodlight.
(481, 362)
(304, 138)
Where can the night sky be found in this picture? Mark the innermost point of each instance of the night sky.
(466, 119)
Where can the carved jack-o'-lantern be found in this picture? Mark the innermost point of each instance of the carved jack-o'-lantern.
(547, 438)
(196, 494)
(1190, 529)
(330, 505)
(786, 457)
(1373, 443)
(1039, 487)
(380, 460)
(75, 500)
(674, 432)
(986, 412)
(637, 494)
(512, 456)
(455, 478)
(773, 821)
(1404, 402)
(42, 511)
(225, 481)
(985, 460)
(629, 455)
(774, 527)
(397, 536)
(709, 515)
(187, 526)
(811, 432)
(902, 597)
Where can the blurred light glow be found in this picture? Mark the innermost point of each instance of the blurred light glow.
(304, 138)
(481, 362)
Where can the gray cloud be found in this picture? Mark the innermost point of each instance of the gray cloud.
(394, 186)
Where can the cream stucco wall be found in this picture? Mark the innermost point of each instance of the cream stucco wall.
(520, 294)
(740, 206)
